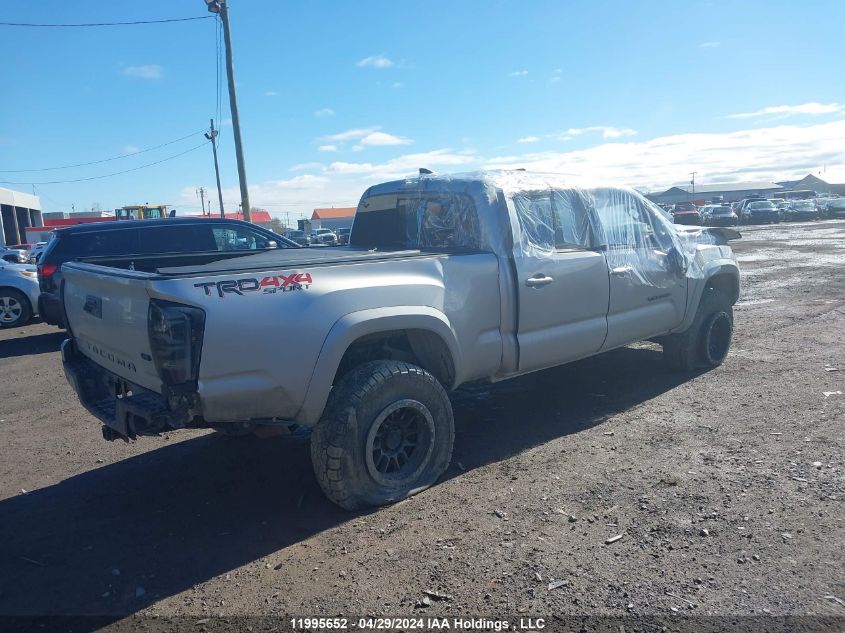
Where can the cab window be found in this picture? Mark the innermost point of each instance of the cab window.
(239, 238)
(554, 219)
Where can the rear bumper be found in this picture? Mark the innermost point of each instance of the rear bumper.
(106, 396)
(50, 309)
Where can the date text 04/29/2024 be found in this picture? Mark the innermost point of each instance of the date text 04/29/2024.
(417, 623)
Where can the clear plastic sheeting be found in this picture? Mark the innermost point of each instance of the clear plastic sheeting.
(418, 219)
(516, 213)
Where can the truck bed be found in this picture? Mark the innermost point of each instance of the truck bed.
(193, 264)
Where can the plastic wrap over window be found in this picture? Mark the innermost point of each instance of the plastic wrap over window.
(639, 241)
(522, 214)
(417, 220)
(553, 219)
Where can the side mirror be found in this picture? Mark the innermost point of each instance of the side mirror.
(272, 244)
(676, 261)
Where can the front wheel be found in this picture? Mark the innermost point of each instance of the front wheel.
(15, 309)
(387, 433)
(707, 341)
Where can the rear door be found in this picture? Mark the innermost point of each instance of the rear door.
(647, 296)
(562, 280)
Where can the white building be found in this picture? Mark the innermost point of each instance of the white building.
(18, 211)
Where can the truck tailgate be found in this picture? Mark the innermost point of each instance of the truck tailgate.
(107, 316)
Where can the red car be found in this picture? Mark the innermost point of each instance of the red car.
(686, 213)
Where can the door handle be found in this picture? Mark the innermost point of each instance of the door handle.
(538, 281)
(619, 271)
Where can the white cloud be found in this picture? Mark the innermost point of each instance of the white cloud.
(781, 111)
(328, 148)
(351, 135)
(324, 112)
(375, 61)
(773, 153)
(131, 149)
(710, 45)
(148, 71)
(397, 84)
(364, 137)
(270, 93)
(528, 139)
(383, 138)
(518, 73)
(304, 181)
(306, 166)
(605, 130)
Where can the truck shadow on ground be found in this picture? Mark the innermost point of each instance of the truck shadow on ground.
(117, 538)
(34, 344)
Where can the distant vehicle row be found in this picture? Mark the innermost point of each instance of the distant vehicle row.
(319, 237)
(756, 209)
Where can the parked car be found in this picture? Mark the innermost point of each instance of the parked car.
(718, 215)
(35, 252)
(759, 211)
(343, 236)
(13, 255)
(686, 213)
(129, 240)
(18, 294)
(424, 299)
(300, 237)
(836, 208)
(325, 237)
(799, 210)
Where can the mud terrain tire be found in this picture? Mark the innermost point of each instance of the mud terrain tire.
(387, 433)
(707, 341)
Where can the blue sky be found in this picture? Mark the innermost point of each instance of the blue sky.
(335, 96)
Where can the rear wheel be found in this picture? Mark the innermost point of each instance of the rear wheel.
(15, 308)
(707, 341)
(386, 434)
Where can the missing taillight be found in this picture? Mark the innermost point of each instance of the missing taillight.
(176, 332)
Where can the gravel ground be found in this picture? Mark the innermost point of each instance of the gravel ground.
(606, 487)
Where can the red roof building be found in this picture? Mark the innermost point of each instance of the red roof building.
(339, 213)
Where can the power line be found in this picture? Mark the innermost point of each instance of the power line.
(88, 24)
(104, 160)
(117, 173)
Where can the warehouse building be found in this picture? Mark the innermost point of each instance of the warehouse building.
(728, 191)
(18, 211)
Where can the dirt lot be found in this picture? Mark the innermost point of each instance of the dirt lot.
(727, 486)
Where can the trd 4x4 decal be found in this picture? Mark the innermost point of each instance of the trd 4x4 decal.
(266, 285)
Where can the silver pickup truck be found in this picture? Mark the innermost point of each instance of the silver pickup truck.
(446, 280)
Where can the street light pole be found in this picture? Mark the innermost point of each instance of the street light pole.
(221, 7)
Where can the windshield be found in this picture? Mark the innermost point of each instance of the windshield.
(296, 233)
(761, 205)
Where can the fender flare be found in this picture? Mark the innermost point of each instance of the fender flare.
(350, 327)
(713, 268)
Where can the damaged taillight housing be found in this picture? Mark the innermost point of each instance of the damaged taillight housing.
(176, 332)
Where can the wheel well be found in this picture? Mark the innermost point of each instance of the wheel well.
(19, 291)
(727, 284)
(420, 347)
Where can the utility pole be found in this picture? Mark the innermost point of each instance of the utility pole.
(201, 194)
(221, 7)
(212, 136)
